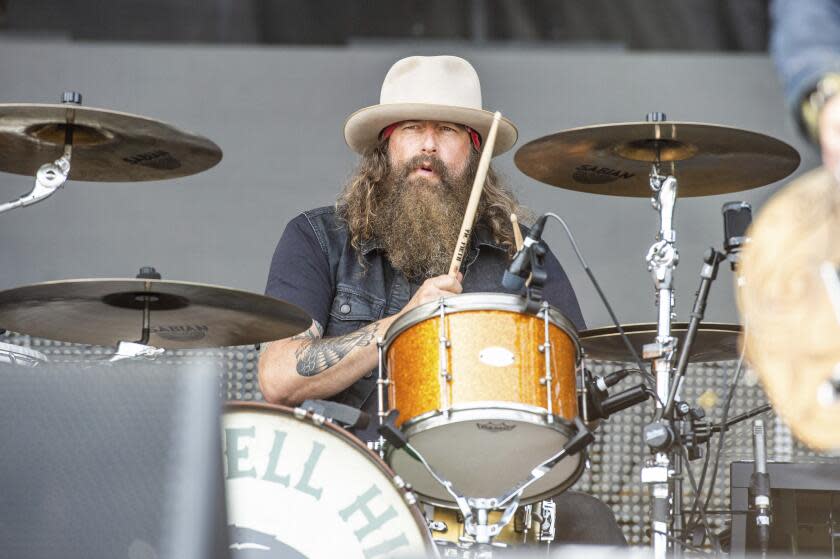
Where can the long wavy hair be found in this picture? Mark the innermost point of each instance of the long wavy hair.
(363, 193)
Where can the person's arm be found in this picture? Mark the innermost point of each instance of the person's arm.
(805, 46)
(309, 366)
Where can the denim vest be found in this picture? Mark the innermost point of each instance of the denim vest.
(365, 294)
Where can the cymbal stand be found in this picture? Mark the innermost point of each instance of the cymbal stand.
(662, 471)
(141, 348)
(51, 176)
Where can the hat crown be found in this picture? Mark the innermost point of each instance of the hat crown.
(435, 80)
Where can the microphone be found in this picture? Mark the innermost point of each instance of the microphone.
(601, 405)
(760, 486)
(516, 274)
(737, 217)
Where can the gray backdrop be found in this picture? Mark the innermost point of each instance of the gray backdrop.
(278, 113)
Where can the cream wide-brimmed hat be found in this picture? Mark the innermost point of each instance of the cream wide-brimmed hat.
(444, 88)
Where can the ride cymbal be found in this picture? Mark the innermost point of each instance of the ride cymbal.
(182, 314)
(616, 159)
(792, 326)
(713, 342)
(108, 146)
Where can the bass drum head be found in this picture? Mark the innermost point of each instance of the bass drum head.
(486, 452)
(296, 489)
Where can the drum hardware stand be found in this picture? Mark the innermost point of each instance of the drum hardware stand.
(51, 176)
(686, 427)
(476, 509)
(141, 348)
(662, 259)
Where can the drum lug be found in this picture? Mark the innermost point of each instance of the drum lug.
(545, 349)
(444, 345)
(318, 419)
(299, 413)
(548, 511)
(438, 526)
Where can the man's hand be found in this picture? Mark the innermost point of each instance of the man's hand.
(829, 130)
(433, 289)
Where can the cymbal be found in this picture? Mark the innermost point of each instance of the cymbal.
(616, 159)
(108, 146)
(792, 334)
(713, 342)
(182, 314)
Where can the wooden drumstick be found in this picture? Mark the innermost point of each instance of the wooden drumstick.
(475, 196)
(517, 234)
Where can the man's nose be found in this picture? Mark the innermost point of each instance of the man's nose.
(429, 143)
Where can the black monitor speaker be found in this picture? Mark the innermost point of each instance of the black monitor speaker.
(111, 460)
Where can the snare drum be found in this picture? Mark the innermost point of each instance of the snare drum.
(485, 392)
(298, 486)
(18, 355)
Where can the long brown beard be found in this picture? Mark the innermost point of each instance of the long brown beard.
(418, 221)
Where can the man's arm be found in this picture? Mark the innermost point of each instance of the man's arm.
(308, 366)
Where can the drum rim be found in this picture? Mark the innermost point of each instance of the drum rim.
(396, 481)
(25, 351)
(562, 425)
(479, 301)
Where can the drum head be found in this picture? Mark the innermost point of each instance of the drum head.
(472, 447)
(298, 489)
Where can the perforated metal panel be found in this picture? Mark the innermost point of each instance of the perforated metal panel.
(617, 455)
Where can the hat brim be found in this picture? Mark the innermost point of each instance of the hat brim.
(362, 129)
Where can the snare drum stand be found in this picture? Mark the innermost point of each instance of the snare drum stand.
(661, 470)
(51, 176)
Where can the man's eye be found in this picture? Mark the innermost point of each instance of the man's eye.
(448, 129)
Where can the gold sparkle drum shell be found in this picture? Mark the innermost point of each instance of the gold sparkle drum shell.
(299, 486)
(495, 416)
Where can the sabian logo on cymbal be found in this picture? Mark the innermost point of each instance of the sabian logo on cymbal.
(593, 174)
(158, 159)
(496, 426)
(181, 332)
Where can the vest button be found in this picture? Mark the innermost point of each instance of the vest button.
(344, 309)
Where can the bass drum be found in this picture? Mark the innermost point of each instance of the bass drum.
(299, 487)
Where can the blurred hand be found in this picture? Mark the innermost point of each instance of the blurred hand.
(829, 127)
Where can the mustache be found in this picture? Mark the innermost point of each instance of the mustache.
(431, 162)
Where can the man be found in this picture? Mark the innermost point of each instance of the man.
(805, 44)
(386, 246)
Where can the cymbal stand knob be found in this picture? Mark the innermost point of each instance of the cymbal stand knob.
(148, 272)
(73, 97)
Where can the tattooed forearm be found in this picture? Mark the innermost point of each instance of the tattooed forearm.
(316, 355)
(309, 334)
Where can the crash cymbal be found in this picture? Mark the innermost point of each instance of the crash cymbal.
(713, 342)
(792, 334)
(616, 159)
(182, 314)
(108, 146)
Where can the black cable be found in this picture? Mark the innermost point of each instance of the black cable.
(650, 382)
(698, 496)
(694, 488)
(735, 378)
(603, 297)
(684, 545)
